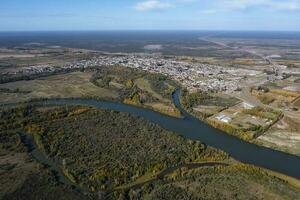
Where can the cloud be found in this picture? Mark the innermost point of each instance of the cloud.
(214, 6)
(265, 4)
(209, 11)
(152, 5)
(288, 5)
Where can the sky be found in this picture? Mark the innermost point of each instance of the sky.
(53, 15)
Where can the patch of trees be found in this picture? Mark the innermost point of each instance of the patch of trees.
(238, 132)
(161, 84)
(42, 185)
(103, 149)
(263, 113)
(6, 78)
(122, 80)
(190, 100)
(232, 182)
(7, 90)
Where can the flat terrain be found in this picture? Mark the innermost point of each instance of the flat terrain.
(109, 83)
(246, 84)
(71, 85)
(17, 58)
(231, 182)
(267, 114)
(100, 150)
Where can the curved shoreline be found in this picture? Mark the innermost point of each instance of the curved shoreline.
(167, 171)
(194, 129)
(40, 157)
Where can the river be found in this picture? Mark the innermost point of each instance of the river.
(192, 128)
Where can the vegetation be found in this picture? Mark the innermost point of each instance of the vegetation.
(222, 182)
(232, 130)
(20, 176)
(252, 131)
(244, 130)
(264, 113)
(69, 85)
(103, 150)
(191, 100)
(43, 184)
(88, 143)
(131, 86)
(138, 88)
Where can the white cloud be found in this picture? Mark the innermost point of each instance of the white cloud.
(266, 4)
(288, 5)
(152, 5)
(214, 6)
(209, 11)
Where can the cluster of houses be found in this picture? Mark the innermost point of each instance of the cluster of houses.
(193, 76)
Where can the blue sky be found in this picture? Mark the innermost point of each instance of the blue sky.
(149, 15)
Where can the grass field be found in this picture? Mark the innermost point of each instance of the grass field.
(283, 136)
(71, 85)
(145, 85)
(113, 83)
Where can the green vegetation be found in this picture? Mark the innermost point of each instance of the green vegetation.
(230, 182)
(138, 88)
(43, 184)
(241, 133)
(104, 150)
(131, 86)
(245, 129)
(20, 176)
(70, 85)
(130, 146)
(190, 101)
(205, 106)
(264, 113)
(88, 143)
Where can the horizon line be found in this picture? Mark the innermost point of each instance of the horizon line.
(149, 30)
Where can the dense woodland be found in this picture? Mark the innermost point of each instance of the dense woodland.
(91, 143)
(21, 177)
(102, 150)
(229, 182)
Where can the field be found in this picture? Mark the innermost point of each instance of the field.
(279, 98)
(284, 136)
(139, 88)
(71, 85)
(16, 58)
(108, 83)
(205, 105)
(229, 114)
(283, 96)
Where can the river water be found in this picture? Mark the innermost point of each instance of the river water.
(192, 128)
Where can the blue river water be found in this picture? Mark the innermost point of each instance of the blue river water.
(192, 128)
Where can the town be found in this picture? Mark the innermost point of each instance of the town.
(192, 76)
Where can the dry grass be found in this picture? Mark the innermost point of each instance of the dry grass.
(281, 140)
(145, 85)
(71, 85)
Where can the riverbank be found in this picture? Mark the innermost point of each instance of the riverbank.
(73, 132)
(194, 129)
